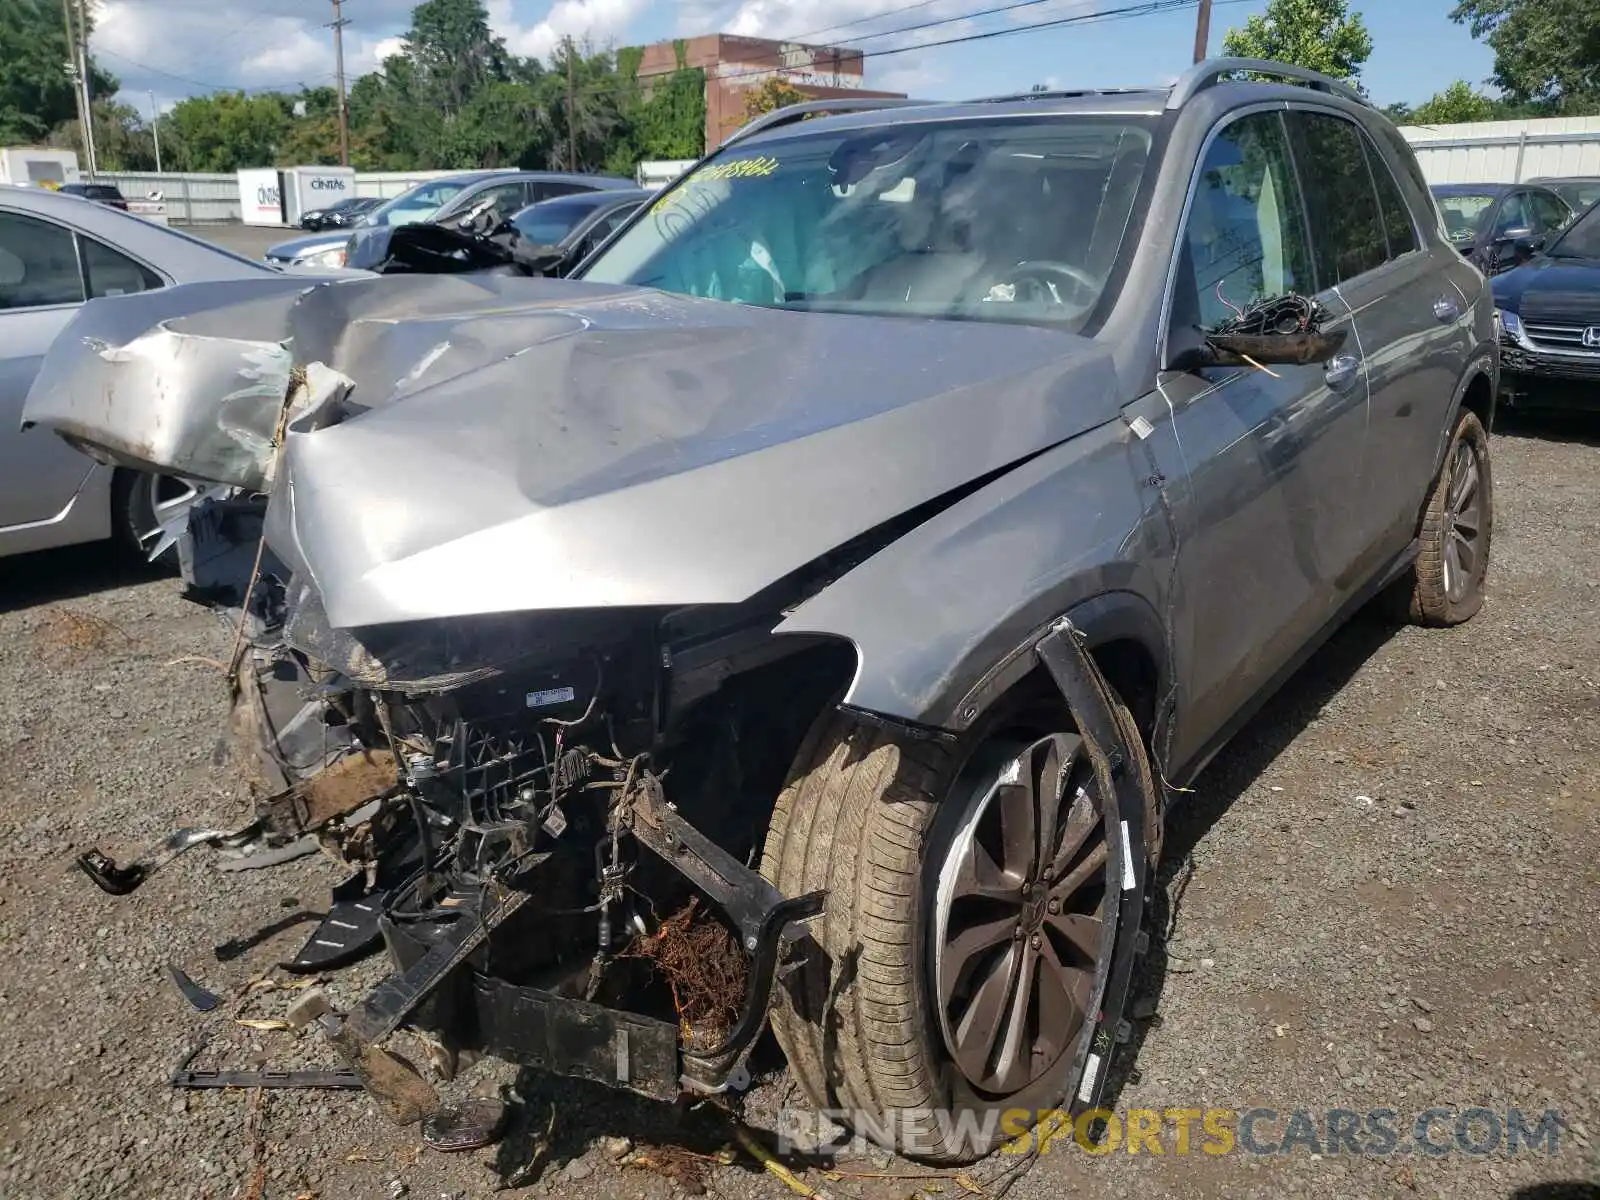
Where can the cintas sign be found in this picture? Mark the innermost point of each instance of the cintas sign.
(309, 188)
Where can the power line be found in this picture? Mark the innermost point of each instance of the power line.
(970, 16)
(1128, 11)
(215, 87)
(1146, 9)
(888, 12)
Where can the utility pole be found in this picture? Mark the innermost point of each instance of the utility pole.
(83, 81)
(338, 23)
(155, 128)
(572, 124)
(1202, 32)
(71, 66)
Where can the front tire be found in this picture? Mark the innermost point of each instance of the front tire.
(929, 859)
(140, 503)
(1457, 529)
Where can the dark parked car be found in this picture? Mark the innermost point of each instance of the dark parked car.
(1579, 191)
(342, 215)
(503, 192)
(548, 238)
(101, 193)
(1497, 225)
(815, 599)
(565, 230)
(1549, 316)
(328, 247)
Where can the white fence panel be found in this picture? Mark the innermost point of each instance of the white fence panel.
(190, 199)
(1507, 151)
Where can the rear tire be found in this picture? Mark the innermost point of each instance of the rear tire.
(879, 820)
(1447, 580)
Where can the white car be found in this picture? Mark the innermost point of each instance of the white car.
(56, 251)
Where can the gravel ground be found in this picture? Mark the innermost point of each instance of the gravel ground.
(1383, 897)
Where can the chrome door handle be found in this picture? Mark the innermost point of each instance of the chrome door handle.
(1446, 309)
(1343, 371)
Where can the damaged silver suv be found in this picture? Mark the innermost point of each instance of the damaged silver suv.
(806, 609)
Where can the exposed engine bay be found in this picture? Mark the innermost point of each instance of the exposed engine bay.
(524, 835)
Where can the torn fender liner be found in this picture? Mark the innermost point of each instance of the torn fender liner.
(1094, 709)
(516, 444)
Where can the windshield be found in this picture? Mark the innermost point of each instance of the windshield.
(1001, 220)
(420, 203)
(1462, 213)
(1579, 195)
(548, 224)
(1582, 238)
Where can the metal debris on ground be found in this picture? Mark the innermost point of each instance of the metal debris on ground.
(465, 1126)
(200, 999)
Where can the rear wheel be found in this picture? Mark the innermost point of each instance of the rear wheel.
(959, 969)
(1446, 584)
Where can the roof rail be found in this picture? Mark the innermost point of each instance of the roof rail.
(1212, 72)
(791, 113)
(1066, 94)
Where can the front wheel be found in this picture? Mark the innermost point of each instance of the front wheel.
(141, 504)
(959, 970)
(1446, 584)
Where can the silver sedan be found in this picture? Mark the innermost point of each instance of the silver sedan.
(56, 251)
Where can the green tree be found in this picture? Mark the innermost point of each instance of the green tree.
(1320, 35)
(1546, 52)
(662, 118)
(454, 52)
(312, 138)
(228, 130)
(1456, 105)
(36, 93)
(773, 94)
(122, 141)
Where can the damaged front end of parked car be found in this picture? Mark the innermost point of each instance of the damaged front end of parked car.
(518, 646)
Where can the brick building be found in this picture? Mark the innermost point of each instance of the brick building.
(734, 65)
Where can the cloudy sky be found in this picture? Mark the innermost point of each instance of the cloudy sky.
(175, 48)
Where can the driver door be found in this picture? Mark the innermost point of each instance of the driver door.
(1270, 459)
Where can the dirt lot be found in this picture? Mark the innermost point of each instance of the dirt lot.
(1391, 905)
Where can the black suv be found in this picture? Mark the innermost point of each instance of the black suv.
(101, 193)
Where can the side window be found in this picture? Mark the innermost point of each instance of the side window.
(1347, 228)
(38, 263)
(1551, 212)
(1245, 237)
(1513, 214)
(111, 273)
(508, 198)
(549, 191)
(1392, 206)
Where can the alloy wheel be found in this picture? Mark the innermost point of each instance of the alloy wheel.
(1463, 522)
(1021, 920)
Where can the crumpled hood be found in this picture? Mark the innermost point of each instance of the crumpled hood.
(518, 444)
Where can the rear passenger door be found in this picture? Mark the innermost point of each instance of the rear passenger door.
(1409, 322)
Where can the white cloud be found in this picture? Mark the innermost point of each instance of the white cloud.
(597, 20)
(178, 48)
